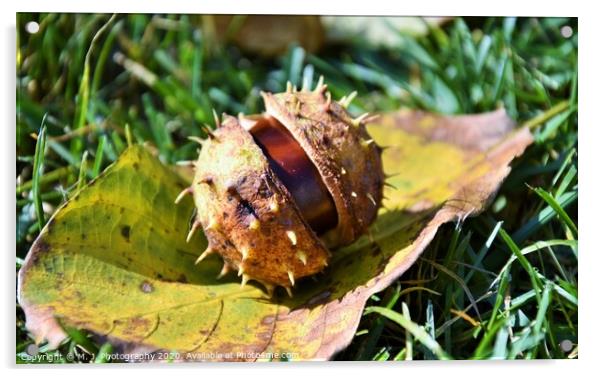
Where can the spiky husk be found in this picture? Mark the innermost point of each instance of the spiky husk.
(347, 158)
(248, 216)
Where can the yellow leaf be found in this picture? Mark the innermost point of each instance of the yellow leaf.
(114, 259)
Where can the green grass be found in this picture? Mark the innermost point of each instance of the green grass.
(501, 285)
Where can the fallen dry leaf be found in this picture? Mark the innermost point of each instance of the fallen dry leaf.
(266, 35)
(114, 259)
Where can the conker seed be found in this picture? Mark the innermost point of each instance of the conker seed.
(274, 192)
(296, 171)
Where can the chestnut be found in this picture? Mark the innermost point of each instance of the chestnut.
(274, 192)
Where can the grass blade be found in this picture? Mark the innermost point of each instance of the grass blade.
(83, 168)
(83, 95)
(523, 261)
(417, 331)
(543, 217)
(99, 154)
(409, 340)
(558, 209)
(534, 247)
(38, 166)
(369, 344)
(460, 281)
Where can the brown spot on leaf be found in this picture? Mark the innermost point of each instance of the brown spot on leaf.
(375, 250)
(125, 232)
(42, 246)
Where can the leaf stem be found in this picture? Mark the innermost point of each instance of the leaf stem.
(540, 119)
